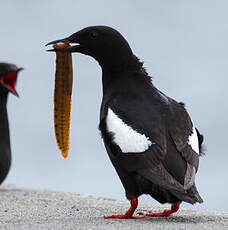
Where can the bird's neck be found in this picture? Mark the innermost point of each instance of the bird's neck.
(127, 73)
(5, 152)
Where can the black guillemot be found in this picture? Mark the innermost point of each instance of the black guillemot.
(8, 78)
(150, 138)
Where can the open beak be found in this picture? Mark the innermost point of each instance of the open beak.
(74, 45)
(9, 81)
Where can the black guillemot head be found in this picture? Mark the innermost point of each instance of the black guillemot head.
(8, 78)
(103, 43)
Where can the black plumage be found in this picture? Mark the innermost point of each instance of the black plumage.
(166, 169)
(8, 76)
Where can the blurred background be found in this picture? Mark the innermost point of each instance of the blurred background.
(184, 47)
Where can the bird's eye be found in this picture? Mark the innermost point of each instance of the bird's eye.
(93, 34)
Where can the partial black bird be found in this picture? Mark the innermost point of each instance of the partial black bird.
(8, 78)
(150, 138)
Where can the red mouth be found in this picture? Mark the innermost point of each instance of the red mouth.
(9, 81)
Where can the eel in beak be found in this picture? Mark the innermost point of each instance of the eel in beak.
(62, 97)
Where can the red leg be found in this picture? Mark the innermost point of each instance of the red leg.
(129, 213)
(166, 212)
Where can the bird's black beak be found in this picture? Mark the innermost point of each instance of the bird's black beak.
(76, 47)
(9, 81)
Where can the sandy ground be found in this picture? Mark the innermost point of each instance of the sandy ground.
(39, 209)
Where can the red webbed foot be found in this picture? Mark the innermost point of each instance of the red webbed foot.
(166, 212)
(124, 216)
(129, 213)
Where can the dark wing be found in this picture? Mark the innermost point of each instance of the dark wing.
(180, 128)
(166, 162)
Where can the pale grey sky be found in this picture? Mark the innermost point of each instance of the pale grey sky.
(184, 47)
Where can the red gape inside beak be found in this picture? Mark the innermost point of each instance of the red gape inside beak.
(9, 81)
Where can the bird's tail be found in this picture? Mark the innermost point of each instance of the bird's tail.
(191, 196)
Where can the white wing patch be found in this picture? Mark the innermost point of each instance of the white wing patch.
(128, 139)
(193, 140)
